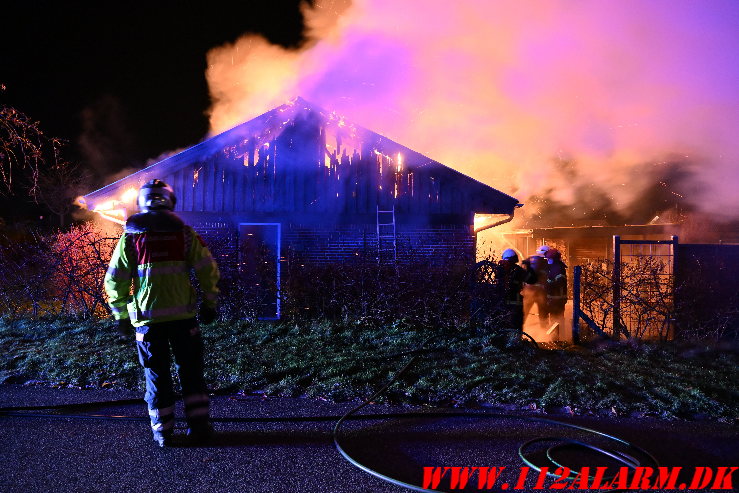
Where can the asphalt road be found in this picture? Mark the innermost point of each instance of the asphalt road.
(114, 455)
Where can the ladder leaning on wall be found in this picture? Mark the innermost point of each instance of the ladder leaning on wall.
(386, 243)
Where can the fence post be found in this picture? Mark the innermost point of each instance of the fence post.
(674, 246)
(616, 287)
(577, 274)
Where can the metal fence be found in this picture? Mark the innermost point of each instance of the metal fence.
(707, 291)
(632, 295)
(644, 288)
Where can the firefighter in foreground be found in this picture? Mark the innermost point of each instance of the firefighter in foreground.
(156, 254)
(510, 278)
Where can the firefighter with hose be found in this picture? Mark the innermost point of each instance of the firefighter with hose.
(534, 292)
(155, 255)
(510, 279)
(556, 291)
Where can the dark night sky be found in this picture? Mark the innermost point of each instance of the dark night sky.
(611, 87)
(132, 77)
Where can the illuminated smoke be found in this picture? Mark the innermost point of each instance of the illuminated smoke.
(106, 142)
(508, 91)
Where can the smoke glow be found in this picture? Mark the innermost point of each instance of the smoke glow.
(508, 91)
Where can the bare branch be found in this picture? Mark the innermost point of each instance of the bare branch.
(25, 153)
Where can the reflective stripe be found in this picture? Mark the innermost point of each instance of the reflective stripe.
(196, 405)
(118, 274)
(198, 411)
(163, 426)
(148, 270)
(192, 399)
(158, 413)
(164, 312)
(140, 338)
(203, 262)
(118, 309)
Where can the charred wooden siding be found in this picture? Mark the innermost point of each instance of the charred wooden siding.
(290, 176)
(323, 180)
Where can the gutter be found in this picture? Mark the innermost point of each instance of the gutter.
(502, 221)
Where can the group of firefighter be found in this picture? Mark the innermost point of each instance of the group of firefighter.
(150, 293)
(540, 283)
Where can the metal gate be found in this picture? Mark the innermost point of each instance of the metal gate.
(644, 288)
(640, 302)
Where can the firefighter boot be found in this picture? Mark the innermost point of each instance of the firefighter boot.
(200, 433)
(164, 438)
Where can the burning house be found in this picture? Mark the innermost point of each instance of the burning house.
(306, 181)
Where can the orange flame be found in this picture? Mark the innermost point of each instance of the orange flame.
(130, 195)
(116, 210)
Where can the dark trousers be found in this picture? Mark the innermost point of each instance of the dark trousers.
(534, 294)
(516, 317)
(556, 309)
(153, 343)
(508, 320)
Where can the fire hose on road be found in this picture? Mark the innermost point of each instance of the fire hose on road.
(624, 454)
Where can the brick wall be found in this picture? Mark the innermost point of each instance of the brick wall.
(434, 245)
(222, 240)
(324, 245)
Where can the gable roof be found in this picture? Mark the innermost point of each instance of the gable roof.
(300, 139)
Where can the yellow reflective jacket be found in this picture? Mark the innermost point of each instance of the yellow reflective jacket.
(156, 254)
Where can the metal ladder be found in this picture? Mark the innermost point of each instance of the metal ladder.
(386, 244)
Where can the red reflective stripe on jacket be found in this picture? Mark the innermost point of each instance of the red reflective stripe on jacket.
(159, 247)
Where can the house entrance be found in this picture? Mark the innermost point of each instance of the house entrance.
(259, 265)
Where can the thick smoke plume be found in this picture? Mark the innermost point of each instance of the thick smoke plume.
(571, 101)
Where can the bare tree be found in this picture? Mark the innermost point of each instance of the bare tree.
(646, 298)
(31, 163)
(59, 185)
(56, 274)
(24, 150)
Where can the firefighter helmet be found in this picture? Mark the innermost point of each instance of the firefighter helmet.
(542, 251)
(553, 254)
(156, 195)
(510, 255)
